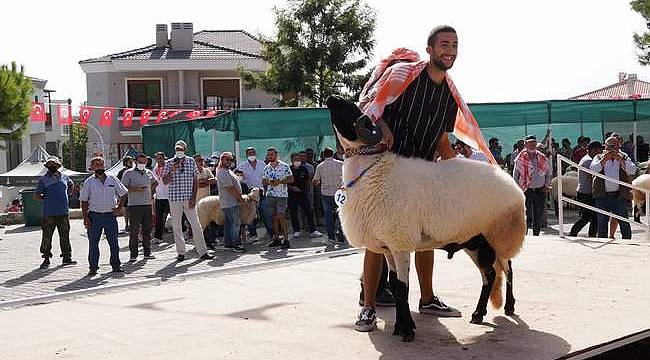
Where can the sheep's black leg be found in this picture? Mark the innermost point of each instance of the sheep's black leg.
(484, 257)
(398, 282)
(510, 298)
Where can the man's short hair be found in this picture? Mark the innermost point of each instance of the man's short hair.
(293, 155)
(328, 152)
(141, 155)
(126, 159)
(197, 155)
(431, 40)
(159, 153)
(239, 171)
(272, 149)
(594, 145)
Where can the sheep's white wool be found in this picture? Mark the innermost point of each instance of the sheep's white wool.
(411, 204)
(643, 181)
(210, 210)
(569, 185)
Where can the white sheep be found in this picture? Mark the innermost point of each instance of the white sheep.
(210, 210)
(638, 197)
(569, 187)
(401, 205)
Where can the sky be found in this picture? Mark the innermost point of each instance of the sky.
(508, 50)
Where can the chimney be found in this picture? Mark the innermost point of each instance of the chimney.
(182, 36)
(631, 77)
(161, 35)
(621, 76)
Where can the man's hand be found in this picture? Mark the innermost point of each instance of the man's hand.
(295, 189)
(387, 137)
(87, 222)
(275, 183)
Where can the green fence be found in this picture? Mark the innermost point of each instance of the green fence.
(293, 129)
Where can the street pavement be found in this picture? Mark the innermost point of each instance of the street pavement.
(20, 276)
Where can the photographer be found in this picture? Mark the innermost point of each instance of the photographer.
(608, 195)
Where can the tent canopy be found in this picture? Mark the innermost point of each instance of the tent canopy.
(506, 121)
(28, 172)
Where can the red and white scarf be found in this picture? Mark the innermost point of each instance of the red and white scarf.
(394, 74)
(525, 168)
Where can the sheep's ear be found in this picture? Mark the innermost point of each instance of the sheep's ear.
(367, 131)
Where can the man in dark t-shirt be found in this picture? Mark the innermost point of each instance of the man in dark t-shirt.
(416, 125)
(298, 197)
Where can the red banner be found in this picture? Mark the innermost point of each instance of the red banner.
(127, 117)
(65, 118)
(173, 113)
(144, 116)
(211, 113)
(106, 118)
(84, 114)
(193, 114)
(38, 112)
(161, 115)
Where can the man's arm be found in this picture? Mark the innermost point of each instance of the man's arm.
(444, 147)
(597, 163)
(84, 211)
(195, 186)
(234, 191)
(316, 180)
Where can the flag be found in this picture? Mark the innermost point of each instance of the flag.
(144, 116)
(65, 118)
(38, 112)
(84, 114)
(211, 113)
(193, 114)
(106, 118)
(172, 113)
(127, 117)
(161, 115)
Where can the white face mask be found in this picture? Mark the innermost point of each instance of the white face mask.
(296, 163)
(252, 158)
(180, 154)
(140, 166)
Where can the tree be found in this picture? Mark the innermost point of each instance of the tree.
(80, 134)
(15, 102)
(319, 50)
(642, 41)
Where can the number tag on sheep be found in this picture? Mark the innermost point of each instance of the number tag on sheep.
(339, 197)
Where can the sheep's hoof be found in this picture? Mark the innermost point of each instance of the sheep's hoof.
(476, 319)
(509, 308)
(409, 336)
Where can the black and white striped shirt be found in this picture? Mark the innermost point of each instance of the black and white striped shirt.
(420, 116)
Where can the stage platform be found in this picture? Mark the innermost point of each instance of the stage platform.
(571, 294)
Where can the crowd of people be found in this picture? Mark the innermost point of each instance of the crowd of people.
(148, 190)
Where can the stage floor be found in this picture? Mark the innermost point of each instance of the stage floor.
(570, 295)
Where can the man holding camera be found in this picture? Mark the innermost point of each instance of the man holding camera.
(609, 195)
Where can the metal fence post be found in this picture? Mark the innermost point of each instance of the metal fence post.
(560, 208)
(647, 215)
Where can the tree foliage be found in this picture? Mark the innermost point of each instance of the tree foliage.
(80, 134)
(320, 48)
(15, 102)
(642, 41)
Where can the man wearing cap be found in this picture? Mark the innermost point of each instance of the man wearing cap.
(533, 174)
(181, 174)
(53, 188)
(584, 192)
(253, 172)
(100, 206)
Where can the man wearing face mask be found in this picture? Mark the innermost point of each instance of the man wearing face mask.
(181, 174)
(299, 197)
(533, 174)
(230, 196)
(608, 195)
(100, 205)
(253, 171)
(53, 188)
(139, 181)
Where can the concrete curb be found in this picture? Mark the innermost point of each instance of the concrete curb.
(38, 300)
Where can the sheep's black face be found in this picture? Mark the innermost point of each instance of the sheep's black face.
(351, 123)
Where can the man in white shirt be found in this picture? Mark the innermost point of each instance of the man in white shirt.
(253, 172)
(329, 177)
(466, 151)
(161, 205)
(608, 195)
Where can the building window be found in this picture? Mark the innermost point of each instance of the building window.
(144, 94)
(14, 152)
(65, 130)
(52, 148)
(221, 94)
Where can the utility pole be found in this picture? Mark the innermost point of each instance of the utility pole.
(71, 144)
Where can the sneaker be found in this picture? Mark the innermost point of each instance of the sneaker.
(436, 307)
(132, 260)
(206, 256)
(296, 235)
(329, 242)
(285, 244)
(238, 249)
(252, 238)
(46, 263)
(367, 320)
(316, 234)
(275, 243)
(92, 272)
(68, 261)
(180, 258)
(156, 241)
(117, 270)
(384, 298)
(149, 257)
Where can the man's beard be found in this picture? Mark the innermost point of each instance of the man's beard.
(437, 62)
